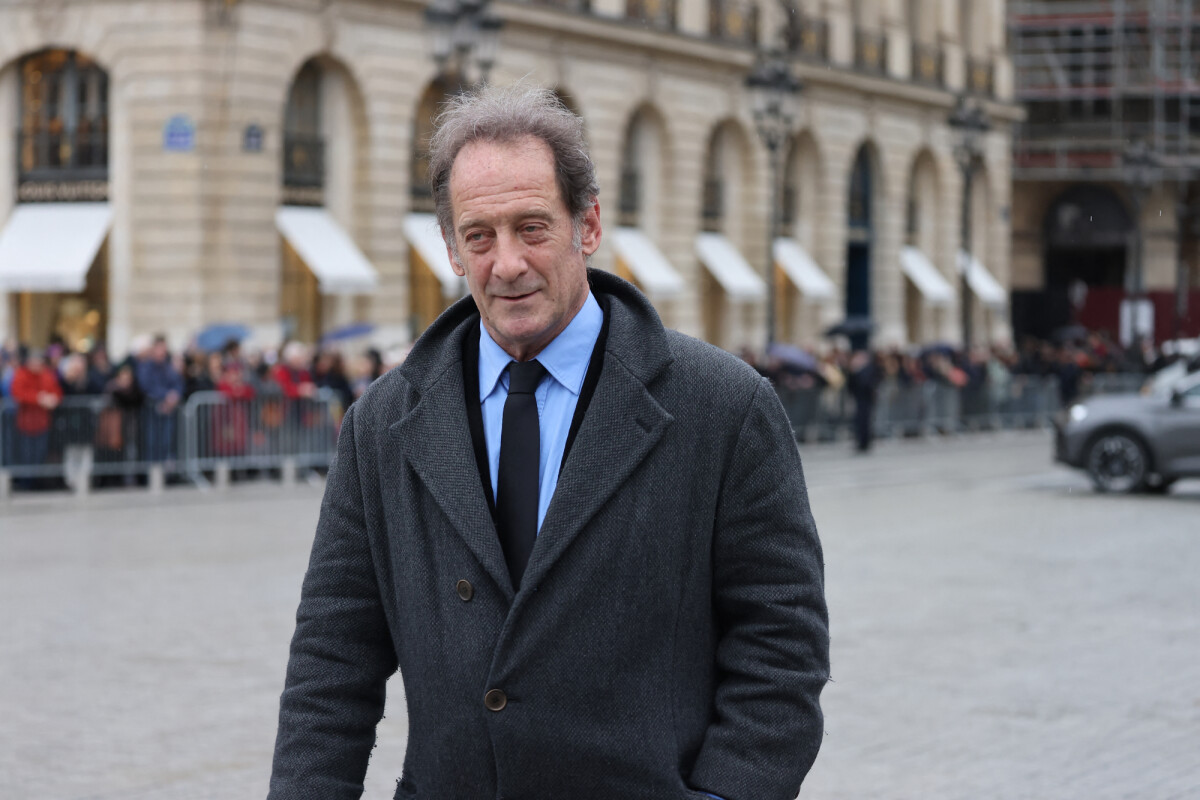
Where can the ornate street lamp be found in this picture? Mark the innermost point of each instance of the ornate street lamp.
(970, 121)
(1142, 170)
(774, 92)
(463, 31)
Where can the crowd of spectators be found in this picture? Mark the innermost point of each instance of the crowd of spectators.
(1075, 363)
(142, 391)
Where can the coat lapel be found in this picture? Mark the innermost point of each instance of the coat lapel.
(435, 438)
(622, 425)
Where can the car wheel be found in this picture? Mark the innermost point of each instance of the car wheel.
(1117, 462)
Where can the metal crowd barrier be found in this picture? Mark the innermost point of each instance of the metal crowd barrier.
(267, 432)
(92, 441)
(922, 409)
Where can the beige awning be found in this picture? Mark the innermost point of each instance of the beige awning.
(646, 262)
(49, 247)
(936, 290)
(723, 261)
(983, 283)
(423, 233)
(326, 249)
(802, 270)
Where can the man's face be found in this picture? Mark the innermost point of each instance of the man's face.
(514, 236)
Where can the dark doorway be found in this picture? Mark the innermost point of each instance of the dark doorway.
(1086, 233)
(858, 247)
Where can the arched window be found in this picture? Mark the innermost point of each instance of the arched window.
(303, 143)
(427, 111)
(712, 209)
(64, 118)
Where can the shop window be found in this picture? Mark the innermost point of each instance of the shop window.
(63, 135)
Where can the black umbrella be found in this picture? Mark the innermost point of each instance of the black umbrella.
(854, 326)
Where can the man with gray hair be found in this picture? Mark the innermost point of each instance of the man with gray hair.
(583, 539)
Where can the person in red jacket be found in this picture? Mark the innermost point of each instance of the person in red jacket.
(37, 393)
(231, 428)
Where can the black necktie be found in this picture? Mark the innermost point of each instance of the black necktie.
(517, 481)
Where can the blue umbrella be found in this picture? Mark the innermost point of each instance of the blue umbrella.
(793, 357)
(214, 337)
(352, 331)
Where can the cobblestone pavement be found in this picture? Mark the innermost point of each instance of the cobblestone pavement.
(998, 632)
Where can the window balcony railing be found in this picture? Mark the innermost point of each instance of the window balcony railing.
(807, 37)
(734, 21)
(710, 212)
(658, 13)
(928, 64)
(980, 76)
(63, 155)
(303, 169)
(303, 160)
(870, 51)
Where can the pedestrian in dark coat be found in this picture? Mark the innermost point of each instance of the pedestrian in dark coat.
(864, 381)
(667, 637)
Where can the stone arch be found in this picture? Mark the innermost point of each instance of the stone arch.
(645, 171)
(728, 171)
(803, 185)
(925, 227)
(325, 155)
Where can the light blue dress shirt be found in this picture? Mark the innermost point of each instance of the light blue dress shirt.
(566, 360)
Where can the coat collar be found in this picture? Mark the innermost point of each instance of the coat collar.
(622, 425)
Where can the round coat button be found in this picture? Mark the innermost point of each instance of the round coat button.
(495, 700)
(465, 590)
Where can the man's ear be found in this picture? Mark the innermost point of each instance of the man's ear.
(591, 232)
(454, 265)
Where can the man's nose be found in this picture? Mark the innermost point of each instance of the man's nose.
(509, 264)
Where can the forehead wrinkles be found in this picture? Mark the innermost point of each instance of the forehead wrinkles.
(490, 177)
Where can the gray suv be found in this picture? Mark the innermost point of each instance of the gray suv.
(1134, 442)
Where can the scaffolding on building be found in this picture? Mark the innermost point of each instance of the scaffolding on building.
(1095, 76)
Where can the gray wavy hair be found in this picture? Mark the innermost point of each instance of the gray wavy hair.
(503, 114)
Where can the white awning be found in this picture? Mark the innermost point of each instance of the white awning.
(936, 290)
(327, 250)
(725, 263)
(49, 247)
(423, 233)
(802, 270)
(647, 263)
(983, 283)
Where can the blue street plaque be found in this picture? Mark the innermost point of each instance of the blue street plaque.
(179, 134)
(252, 139)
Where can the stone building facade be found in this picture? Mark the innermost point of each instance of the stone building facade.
(210, 117)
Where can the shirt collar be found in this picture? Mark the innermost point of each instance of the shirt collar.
(566, 358)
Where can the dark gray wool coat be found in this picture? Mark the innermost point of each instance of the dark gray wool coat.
(670, 633)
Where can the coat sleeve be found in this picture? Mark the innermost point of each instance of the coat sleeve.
(772, 653)
(341, 655)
